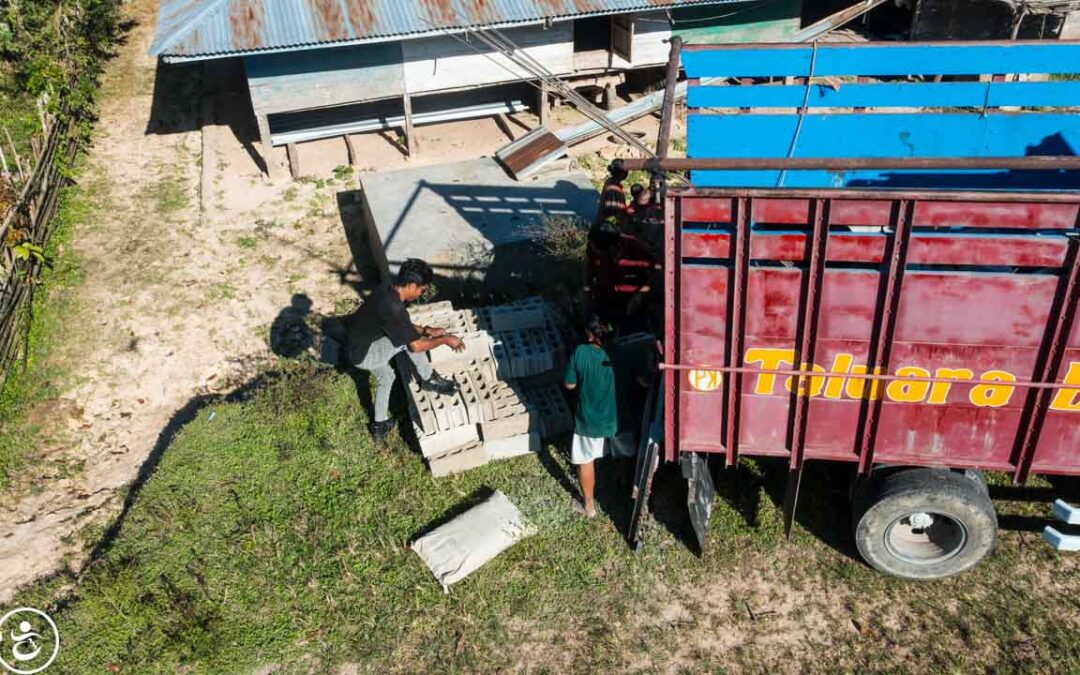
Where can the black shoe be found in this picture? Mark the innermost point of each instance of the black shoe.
(439, 384)
(379, 430)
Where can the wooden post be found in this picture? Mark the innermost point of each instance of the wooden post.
(410, 134)
(667, 111)
(351, 149)
(542, 108)
(294, 160)
(267, 145)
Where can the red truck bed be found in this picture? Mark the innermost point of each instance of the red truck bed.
(962, 306)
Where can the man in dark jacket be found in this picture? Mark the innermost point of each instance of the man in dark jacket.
(381, 329)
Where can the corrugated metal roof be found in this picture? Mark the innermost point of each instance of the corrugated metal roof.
(194, 29)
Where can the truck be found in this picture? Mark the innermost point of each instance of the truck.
(883, 286)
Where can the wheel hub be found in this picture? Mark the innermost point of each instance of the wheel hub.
(921, 521)
(924, 537)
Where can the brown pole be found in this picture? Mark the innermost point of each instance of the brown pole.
(1029, 163)
(667, 116)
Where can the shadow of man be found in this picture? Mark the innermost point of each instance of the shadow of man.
(290, 336)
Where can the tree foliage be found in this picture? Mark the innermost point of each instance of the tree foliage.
(55, 49)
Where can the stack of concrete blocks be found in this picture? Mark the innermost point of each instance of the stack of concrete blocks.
(448, 439)
(492, 416)
(547, 403)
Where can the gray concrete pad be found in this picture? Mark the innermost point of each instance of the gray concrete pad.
(468, 219)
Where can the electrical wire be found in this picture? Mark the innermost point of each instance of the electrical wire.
(802, 113)
(500, 43)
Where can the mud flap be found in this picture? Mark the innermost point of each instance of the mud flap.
(700, 492)
(652, 434)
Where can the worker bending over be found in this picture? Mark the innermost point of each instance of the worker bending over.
(381, 329)
(591, 373)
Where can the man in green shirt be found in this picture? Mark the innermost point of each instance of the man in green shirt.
(590, 372)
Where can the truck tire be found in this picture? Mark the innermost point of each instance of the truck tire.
(924, 523)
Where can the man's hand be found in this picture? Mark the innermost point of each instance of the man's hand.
(432, 332)
(454, 342)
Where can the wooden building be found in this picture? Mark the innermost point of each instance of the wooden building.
(323, 68)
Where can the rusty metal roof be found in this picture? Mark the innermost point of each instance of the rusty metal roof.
(201, 29)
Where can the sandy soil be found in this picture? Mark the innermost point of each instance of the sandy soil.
(193, 264)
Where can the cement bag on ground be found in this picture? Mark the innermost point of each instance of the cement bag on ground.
(455, 550)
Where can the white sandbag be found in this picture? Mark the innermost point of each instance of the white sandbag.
(455, 550)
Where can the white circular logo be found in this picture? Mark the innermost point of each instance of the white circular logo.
(29, 641)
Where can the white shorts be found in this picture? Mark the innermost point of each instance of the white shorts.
(585, 450)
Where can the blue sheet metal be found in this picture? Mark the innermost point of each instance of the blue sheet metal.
(197, 29)
(834, 123)
(880, 59)
(890, 95)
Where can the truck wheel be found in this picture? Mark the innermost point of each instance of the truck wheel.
(924, 523)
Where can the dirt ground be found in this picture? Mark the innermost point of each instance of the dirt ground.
(192, 263)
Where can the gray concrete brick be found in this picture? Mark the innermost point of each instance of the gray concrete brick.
(548, 403)
(478, 345)
(515, 317)
(462, 459)
(441, 443)
(515, 446)
(431, 307)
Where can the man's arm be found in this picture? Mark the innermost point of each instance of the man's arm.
(426, 344)
(430, 331)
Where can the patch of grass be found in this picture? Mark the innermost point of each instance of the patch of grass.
(220, 292)
(273, 532)
(166, 194)
(247, 241)
(343, 172)
(290, 193)
(51, 314)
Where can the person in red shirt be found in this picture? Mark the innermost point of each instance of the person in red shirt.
(620, 272)
(613, 195)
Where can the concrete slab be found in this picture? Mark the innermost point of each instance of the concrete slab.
(468, 219)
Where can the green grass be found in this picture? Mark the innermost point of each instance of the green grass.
(272, 532)
(166, 193)
(19, 117)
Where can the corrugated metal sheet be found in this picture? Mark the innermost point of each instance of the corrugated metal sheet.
(195, 29)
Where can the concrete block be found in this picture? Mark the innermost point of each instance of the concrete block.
(515, 446)
(509, 423)
(431, 307)
(478, 345)
(440, 443)
(522, 353)
(516, 317)
(420, 410)
(463, 459)
(548, 403)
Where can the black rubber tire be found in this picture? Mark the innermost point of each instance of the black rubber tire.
(961, 509)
